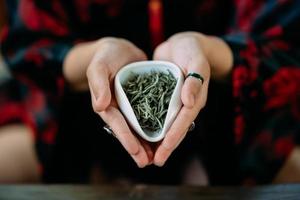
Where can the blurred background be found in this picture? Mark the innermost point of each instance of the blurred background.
(2, 14)
(3, 72)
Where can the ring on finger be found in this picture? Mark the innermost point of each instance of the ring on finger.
(192, 127)
(195, 75)
(109, 130)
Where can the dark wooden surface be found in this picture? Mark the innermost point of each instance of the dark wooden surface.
(78, 192)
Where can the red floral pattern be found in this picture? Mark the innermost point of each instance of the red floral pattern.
(283, 89)
(37, 20)
(263, 35)
(284, 146)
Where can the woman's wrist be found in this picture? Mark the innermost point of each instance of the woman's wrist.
(75, 65)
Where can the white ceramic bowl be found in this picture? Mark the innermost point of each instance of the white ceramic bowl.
(175, 103)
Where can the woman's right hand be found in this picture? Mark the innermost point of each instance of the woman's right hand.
(93, 66)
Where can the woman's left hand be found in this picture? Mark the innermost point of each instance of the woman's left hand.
(192, 53)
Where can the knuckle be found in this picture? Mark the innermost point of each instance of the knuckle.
(89, 71)
(106, 116)
(108, 40)
(112, 43)
(202, 105)
(96, 108)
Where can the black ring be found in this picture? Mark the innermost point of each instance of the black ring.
(196, 75)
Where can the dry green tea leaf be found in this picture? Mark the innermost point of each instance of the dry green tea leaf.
(149, 95)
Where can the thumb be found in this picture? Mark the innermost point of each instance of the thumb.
(98, 79)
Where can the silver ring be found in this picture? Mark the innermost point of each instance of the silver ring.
(192, 127)
(109, 130)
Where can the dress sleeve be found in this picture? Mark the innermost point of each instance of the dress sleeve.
(34, 43)
(36, 39)
(264, 38)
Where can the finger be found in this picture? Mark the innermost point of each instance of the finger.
(112, 55)
(175, 135)
(179, 128)
(148, 150)
(163, 152)
(190, 58)
(192, 85)
(116, 121)
(98, 80)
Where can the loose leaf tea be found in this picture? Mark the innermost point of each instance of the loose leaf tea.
(149, 95)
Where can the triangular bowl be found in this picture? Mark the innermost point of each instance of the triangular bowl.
(175, 103)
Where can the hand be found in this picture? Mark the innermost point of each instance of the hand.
(103, 59)
(193, 53)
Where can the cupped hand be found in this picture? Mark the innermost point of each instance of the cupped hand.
(187, 50)
(93, 66)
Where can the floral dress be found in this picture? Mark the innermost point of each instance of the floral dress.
(263, 35)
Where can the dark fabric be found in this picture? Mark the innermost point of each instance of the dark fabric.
(82, 144)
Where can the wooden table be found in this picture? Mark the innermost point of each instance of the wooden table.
(78, 192)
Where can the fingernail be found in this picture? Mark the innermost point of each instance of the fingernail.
(159, 164)
(139, 166)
